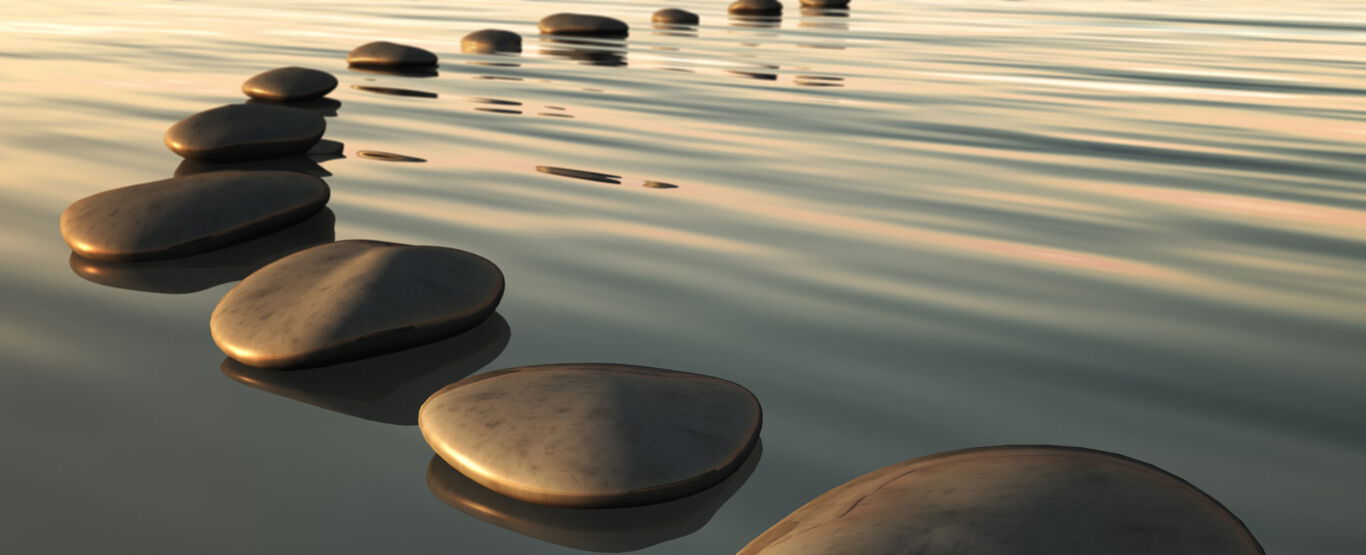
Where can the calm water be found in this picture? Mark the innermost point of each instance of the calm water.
(912, 227)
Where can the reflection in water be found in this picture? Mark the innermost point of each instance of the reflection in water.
(760, 75)
(586, 51)
(659, 185)
(202, 271)
(757, 21)
(581, 174)
(326, 107)
(387, 156)
(602, 530)
(300, 163)
(394, 91)
(818, 81)
(417, 72)
(824, 19)
(497, 105)
(387, 388)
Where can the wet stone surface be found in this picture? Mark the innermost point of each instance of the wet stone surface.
(390, 54)
(583, 25)
(289, 84)
(490, 41)
(241, 132)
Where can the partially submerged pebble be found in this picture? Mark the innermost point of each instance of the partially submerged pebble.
(353, 299)
(290, 84)
(583, 25)
(825, 3)
(759, 7)
(389, 54)
(592, 435)
(240, 132)
(490, 41)
(187, 215)
(1011, 500)
(387, 156)
(674, 16)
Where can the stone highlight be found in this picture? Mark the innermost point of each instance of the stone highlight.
(491, 41)
(390, 54)
(756, 7)
(290, 84)
(583, 25)
(674, 16)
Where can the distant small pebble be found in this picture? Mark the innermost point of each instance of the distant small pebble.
(290, 84)
(583, 24)
(674, 16)
(240, 132)
(756, 7)
(490, 41)
(387, 156)
(825, 3)
(389, 54)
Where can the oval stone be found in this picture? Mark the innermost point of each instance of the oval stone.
(582, 24)
(592, 435)
(674, 16)
(490, 41)
(353, 299)
(390, 54)
(187, 215)
(825, 3)
(1011, 500)
(290, 84)
(761, 7)
(239, 132)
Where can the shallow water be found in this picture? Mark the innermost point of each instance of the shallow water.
(913, 227)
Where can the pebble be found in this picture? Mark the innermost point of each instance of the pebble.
(1011, 500)
(240, 132)
(758, 7)
(490, 41)
(186, 215)
(389, 54)
(353, 299)
(290, 84)
(592, 435)
(825, 3)
(583, 24)
(674, 16)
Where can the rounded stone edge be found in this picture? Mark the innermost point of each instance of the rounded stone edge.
(376, 64)
(484, 41)
(261, 150)
(268, 97)
(623, 33)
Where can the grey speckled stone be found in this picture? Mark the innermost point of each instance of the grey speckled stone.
(592, 435)
(290, 84)
(490, 41)
(187, 215)
(674, 16)
(583, 25)
(759, 7)
(1011, 500)
(353, 299)
(389, 54)
(239, 132)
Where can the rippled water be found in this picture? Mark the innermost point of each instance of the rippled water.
(912, 227)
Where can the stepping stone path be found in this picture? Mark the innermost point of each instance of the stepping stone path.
(592, 435)
(674, 16)
(756, 7)
(490, 41)
(353, 299)
(389, 54)
(187, 215)
(240, 132)
(583, 25)
(1012, 500)
(290, 84)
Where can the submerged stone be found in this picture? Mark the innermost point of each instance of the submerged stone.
(490, 41)
(825, 3)
(290, 84)
(390, 54)
(187, 215)
(353, 299)
(583, 24)
(674, 16)
(760, 7)
(239, 132)
(592, 435)
(1011, 500)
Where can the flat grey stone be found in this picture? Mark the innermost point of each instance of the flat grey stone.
(490, 41)
(583, 25)
(353, 299)
(240, 132)
(592, 435)
(674, 16)
(389, 54)
(1011, 500)
(290, 84)
(187, 215)
(761, 7)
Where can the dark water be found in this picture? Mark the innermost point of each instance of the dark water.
(912, 227)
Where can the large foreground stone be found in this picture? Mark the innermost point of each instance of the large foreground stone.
(756, 7)
(390, 54)
(353, 299)
(592, 435)
(582, 25)
(187, 215)
(491, 41)
(239, 132)
(1012, 500)
(290, 84)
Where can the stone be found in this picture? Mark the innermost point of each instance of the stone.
(290, 84)
(583, 25)
(186, 215)
(1011, 500)
(390, 54)
(298, 163)
(826, 3)
(757, 7)
(490, 41)
(353, 299)
(592, 435)
(241, 132)
(674, 16)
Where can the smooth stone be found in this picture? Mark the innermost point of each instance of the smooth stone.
(765, 7)
(489, 41)
(1011, 500)
(240, 132)
(825, 3)
(353, 299)
(187, 215)
(389, 54)
(674, 16)
(592, 435)
(582, 24)
(290, 84)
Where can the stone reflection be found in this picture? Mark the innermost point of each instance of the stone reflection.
(818, 81)
(601, 530)
(424, 72)
(387, 388)
(585, 51)
(757, 22)
(325, 107)
(581, 174)
(395, 91)
(202, 271)
(301, 163)
(824, 19)
(761, 75)
(388, 156)
(497, 105)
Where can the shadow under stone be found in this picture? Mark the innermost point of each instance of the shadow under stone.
(394, 91)
(300, 163)
(598, 53)
(415, 72)
(326, 107)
